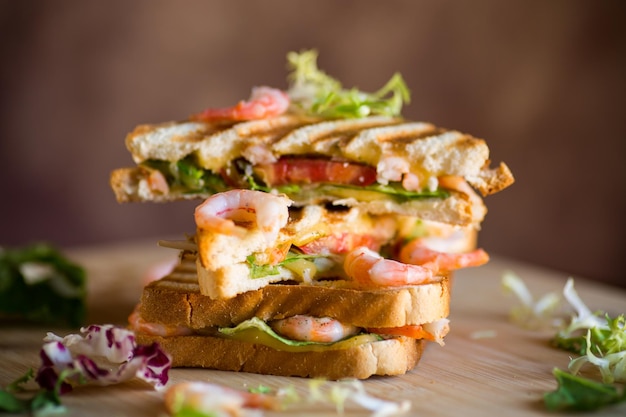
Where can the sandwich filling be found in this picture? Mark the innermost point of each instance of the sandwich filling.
(297, 333)
(248, 239)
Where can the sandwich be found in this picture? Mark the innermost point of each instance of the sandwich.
(327, 230)
(254, 331)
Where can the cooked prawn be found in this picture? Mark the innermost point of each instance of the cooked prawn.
(456, 183)
(369, 268)
(156, 181)
(205, 398)
(264, 102)
(313, 329)
(138, 324)
(416, 252)
(236, 212)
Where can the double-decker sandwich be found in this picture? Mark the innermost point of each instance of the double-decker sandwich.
(321, 331)
(328, 229)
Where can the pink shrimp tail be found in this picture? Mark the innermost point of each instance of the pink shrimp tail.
(369, 268)
(417, 254)
(264, 102)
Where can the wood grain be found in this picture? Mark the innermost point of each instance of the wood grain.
(503, 374)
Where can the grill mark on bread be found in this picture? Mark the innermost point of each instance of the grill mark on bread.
(430, 150)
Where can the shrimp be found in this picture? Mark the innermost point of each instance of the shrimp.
(313, 329)
(156, 181)
(456, 183)
(138, 324)
(205, 398)
(369, 268)
(417, 253)
(264, 102)
(236, 212)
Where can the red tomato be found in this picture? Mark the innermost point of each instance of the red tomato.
(413, 331)
(308, 171)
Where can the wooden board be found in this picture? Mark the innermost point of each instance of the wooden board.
(505, 374)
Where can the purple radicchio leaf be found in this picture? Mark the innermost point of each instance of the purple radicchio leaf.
(104, 355)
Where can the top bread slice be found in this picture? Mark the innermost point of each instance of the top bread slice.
(424, 149)
(176, 300)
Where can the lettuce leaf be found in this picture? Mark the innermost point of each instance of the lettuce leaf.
(316, 93)
(39, 284)
(258, 324)
(599, 339)
(186, 174)
(576, 393)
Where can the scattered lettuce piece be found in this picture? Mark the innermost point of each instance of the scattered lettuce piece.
(581, 394)
(316, 93)
(39, 284)
(531, 313)
(599, 340)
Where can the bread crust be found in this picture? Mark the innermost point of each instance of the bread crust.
(176, 300)
(394, 356)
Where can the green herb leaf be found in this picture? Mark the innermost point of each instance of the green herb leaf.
(316, 93)
(11, 404)
(576, 393)
(42, 402)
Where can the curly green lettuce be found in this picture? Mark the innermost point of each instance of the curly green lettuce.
(316, 93)
(598, 339)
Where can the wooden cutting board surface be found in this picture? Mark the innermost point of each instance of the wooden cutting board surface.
(488, 365)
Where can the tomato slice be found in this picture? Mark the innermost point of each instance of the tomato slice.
(414, 331)
(309, 171)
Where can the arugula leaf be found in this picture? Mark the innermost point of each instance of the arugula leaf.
(318, 94)
(38, 284)
(576, 393)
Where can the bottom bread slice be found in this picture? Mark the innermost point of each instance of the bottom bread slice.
(393, 356)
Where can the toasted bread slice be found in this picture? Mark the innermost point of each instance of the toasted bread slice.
(424, 150)
(176, 300)
(393, 356)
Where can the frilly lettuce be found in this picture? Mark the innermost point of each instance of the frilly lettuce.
(599, 340)
(531, 314)
(314, 92)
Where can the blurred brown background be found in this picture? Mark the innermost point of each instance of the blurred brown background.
(542, 81)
